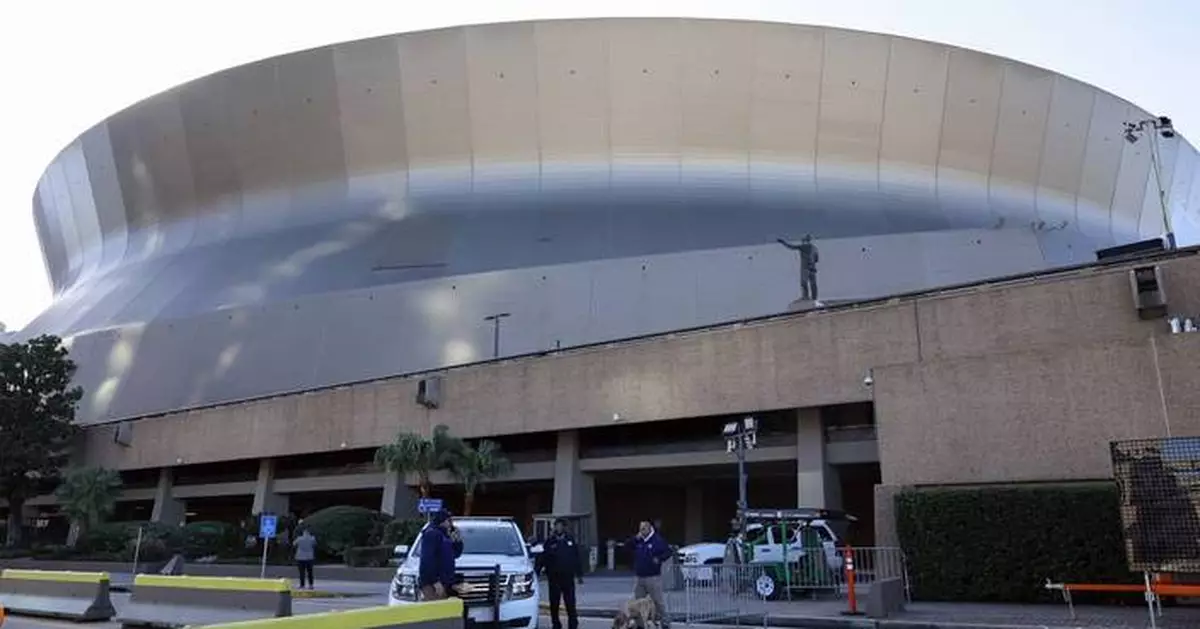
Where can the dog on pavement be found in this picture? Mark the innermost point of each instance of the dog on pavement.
(639, 613)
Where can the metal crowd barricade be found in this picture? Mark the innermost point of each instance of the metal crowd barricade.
(733, 593)
(721, 594)
(879, 562)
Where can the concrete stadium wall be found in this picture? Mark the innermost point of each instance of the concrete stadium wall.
(967, 384)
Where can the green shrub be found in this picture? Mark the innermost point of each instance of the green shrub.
(367, 556)
(402, 531)
(120, 537)
(53, 552)
(153, 549)
(340, 528)
(14, 553)
(202, 539)
(1002, 544)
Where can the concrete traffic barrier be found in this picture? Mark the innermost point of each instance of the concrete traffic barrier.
(886, 597)
(447, 614)
(80, 596)
(169, 601)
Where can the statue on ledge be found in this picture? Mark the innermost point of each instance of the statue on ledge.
(809, 256)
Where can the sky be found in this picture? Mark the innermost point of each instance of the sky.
(67, 64)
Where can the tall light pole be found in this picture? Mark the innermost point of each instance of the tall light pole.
(495, 320)
(1155, 127)
(741, 436)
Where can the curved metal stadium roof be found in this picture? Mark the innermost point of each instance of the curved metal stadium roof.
(354, 211)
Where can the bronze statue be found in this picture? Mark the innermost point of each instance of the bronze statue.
(809, 256)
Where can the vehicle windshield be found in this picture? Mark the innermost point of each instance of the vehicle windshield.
(486, 540)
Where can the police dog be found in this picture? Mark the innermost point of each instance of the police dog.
(639, 613)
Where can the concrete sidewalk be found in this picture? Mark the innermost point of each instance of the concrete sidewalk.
(602, 598)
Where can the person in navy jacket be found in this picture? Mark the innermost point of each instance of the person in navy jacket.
(650, 550)
(440, 547)
(563, 567)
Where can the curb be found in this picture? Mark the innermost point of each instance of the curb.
(308, 594)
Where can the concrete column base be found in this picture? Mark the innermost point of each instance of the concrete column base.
(817, 482)
(167, 510)
(885, 514)
(574, 491)
(265, 498)
(399, 500)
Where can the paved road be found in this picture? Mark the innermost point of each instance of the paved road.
(30, 623)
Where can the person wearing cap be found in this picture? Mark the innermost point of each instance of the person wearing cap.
(561, 563)
(440, 547)
(650, 551)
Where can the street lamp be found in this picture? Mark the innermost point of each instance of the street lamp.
(495, 320)
(741, 436)
(1160, 125)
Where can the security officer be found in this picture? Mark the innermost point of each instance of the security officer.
(441, 545)
(561, 562)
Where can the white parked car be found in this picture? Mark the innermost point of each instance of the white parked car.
(490, 546)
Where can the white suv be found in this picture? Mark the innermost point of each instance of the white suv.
(492, 549)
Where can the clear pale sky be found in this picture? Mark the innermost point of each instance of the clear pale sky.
(67, 64)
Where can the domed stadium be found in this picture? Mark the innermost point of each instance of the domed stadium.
(429, 199)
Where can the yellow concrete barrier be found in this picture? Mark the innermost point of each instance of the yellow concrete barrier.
(166, 601)
(80, 596)
(447, 614)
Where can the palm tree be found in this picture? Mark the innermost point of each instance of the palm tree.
(473, 466)
(412, 453)
(88, 496)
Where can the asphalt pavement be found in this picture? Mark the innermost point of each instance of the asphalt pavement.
(37, 623)
(299, 606)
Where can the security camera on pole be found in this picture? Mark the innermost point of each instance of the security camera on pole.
(741, 436)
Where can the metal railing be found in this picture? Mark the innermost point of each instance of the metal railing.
(729, 592)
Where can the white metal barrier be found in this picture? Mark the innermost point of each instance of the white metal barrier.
(732, 593)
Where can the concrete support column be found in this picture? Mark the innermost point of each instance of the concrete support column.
(574, 491)
(885, 514)
(265, 498)
(817, 483)
(167, 510)
(399, 500)
(693, 526)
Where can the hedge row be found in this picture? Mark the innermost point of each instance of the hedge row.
(338, 530)
(1002, 544)
(355, 535)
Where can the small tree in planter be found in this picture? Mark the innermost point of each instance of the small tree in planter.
(412, 453)
(88, 497)
(474, 466)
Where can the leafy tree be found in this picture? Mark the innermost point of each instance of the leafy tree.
(88, 497)
(412, 453)
(37, 414)
(474, 466)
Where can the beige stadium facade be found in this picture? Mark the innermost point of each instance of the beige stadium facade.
(257, 270)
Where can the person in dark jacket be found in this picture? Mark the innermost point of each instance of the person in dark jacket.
(440, 547)
(650, 550)
(563, 567)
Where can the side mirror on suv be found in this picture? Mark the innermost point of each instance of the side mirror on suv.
(400, 551)
(535, 549)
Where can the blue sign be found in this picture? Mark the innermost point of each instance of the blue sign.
(267, 525)
(429, 505)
